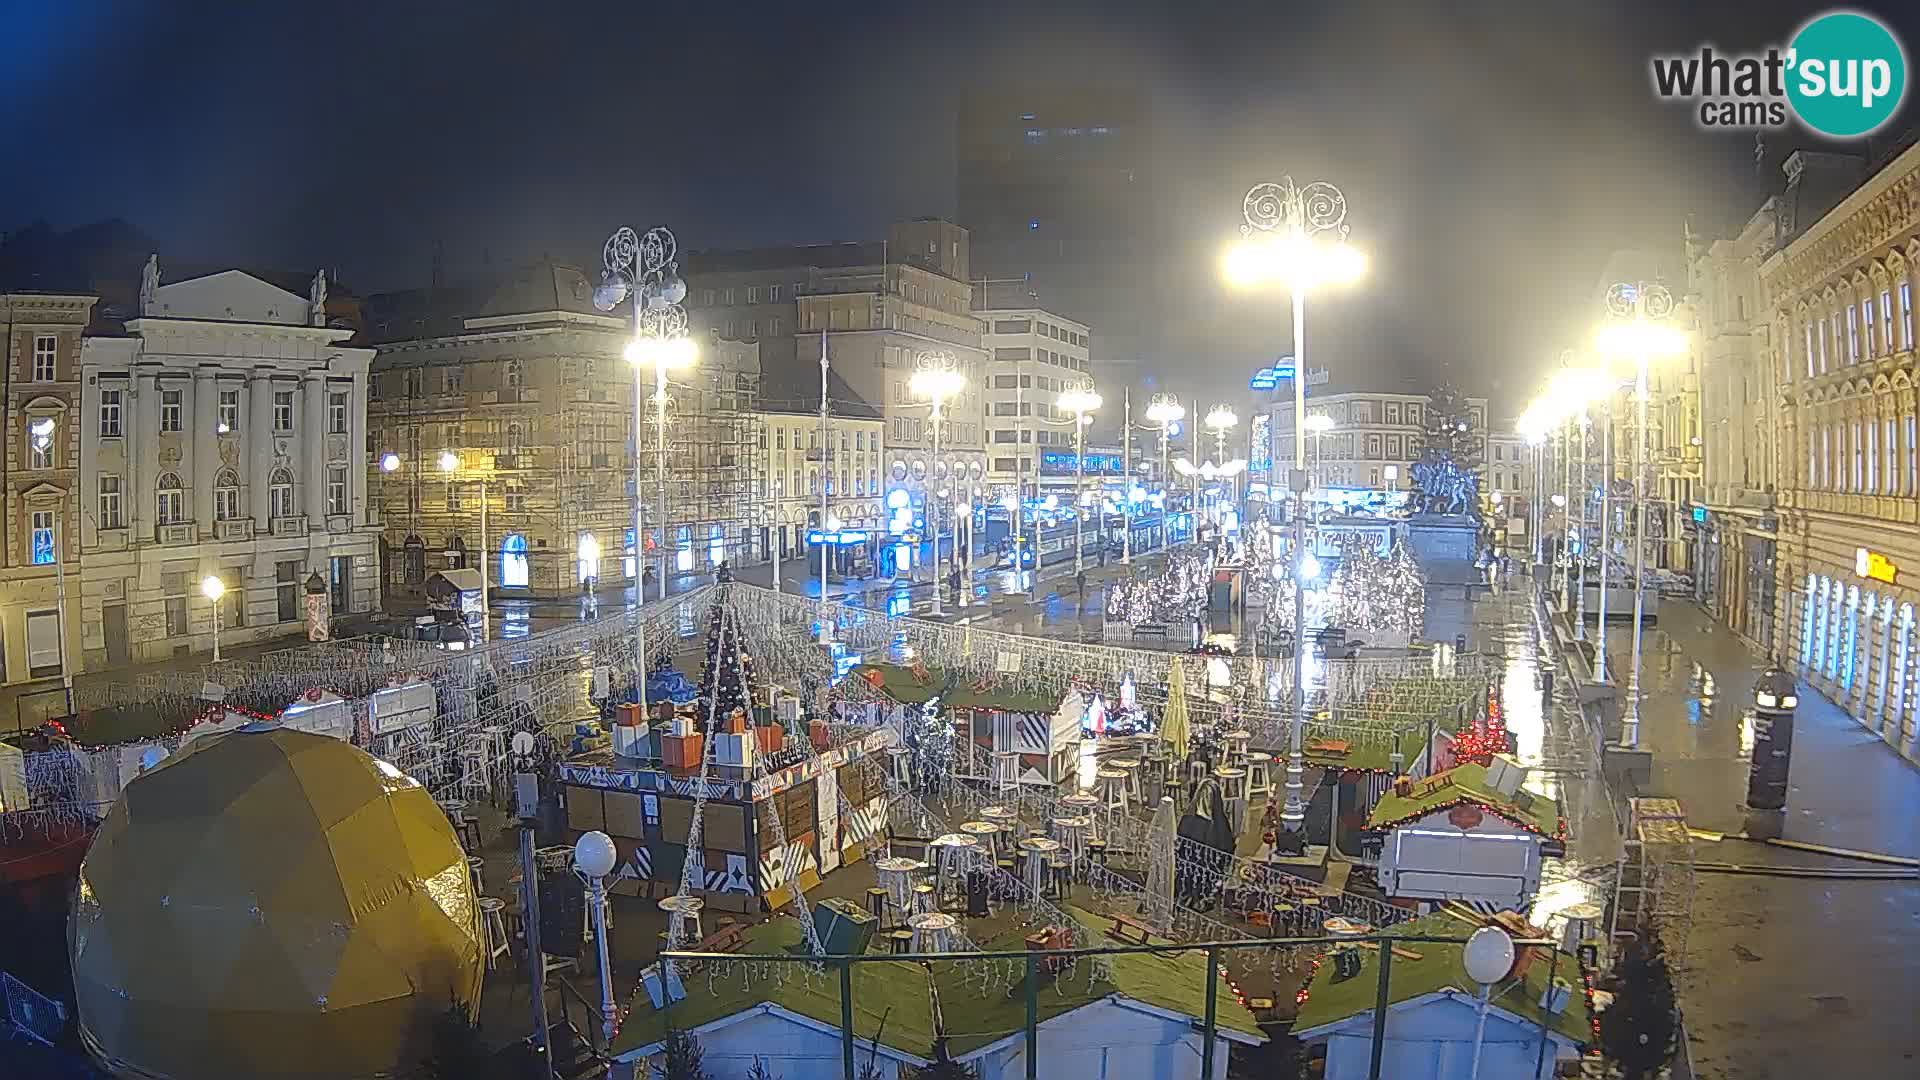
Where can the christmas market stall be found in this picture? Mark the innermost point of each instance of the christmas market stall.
(1471, 833)
(776, 805)
(1032, 738)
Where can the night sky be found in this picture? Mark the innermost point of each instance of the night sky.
(1492, 154)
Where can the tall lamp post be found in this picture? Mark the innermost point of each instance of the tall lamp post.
(1639, 332)
(449, 464)
(1220, 420)
(1081, 401)
(645, 268)
(937, 377)
(593, 859)
(1318, 425)
(213, 589)
(1165, 412)
(1295, 236)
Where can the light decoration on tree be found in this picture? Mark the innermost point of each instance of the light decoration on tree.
(726, 670)
(1177, 594)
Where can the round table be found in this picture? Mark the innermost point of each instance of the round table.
(983, 832)
(897, 874)
(930, 930)
(950, 852)
(1072, 832)
(1038, 848)
(1000, 815)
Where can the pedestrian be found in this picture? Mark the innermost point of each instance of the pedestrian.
(1546, 688)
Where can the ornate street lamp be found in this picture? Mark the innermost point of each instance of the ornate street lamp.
(1296, 237)
(936, 377)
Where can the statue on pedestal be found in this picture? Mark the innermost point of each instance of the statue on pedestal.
(149, 283)
(317, 300)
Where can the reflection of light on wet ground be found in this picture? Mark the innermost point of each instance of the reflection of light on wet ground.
(1086, 770)
(1559, 894)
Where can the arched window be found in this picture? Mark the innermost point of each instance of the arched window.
(169, 500)
(280, 493)
(226, 496)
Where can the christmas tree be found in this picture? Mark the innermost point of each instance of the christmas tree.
(1353, 590)
(1638, 1031)
(1400, 593)
(1452, 434)
(726, 671)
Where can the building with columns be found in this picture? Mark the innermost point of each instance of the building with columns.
(39, 555)
(1840, 296)
(222, 432)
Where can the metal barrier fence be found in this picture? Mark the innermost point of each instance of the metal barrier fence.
(1034, 964)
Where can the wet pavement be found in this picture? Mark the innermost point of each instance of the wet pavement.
(1787, 977)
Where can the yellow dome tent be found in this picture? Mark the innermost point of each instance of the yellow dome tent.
(272, 903)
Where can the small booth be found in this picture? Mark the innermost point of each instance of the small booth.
(461, 594)
(1044, 731)
(648, 810)
(1470, 833)
(400, 715)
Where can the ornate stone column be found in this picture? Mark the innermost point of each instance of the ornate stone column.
(259, 427)
(206, 458)
(313, 446)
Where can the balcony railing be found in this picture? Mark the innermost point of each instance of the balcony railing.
(174, 534)
(233, 529)
(296, 525)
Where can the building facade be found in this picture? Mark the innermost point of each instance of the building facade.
(39, 568)
(1034, 356)
(797, 468)
(1735, 544)
(527, 388)
(222, 432)
(1374, 439)
(872, 312)
(1840, 297)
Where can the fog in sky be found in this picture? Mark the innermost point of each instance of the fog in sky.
(1493, 154)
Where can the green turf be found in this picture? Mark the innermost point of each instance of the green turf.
(901, 994)
(1469, 784)
(1330, 999)
(899, 684)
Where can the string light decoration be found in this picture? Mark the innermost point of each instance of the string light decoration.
(1177, 594)
(725, 669)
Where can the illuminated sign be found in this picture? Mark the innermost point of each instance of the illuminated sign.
(1874, 566)
(1265, 379)
(1061, 463)
(1700, 515)
(838, 539)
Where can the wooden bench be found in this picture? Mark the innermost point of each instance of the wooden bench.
(1129, 931)
(727, 939)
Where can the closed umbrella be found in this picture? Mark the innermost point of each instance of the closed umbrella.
(1173, 721)
(1160, 855)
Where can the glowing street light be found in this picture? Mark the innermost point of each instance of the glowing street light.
(389, 462)
(1081, 401)
(213, 589)
(1638, 331)
(1295, 236)
(937, 379)
(1165, 413)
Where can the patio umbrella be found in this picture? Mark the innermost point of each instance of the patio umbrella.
(1173, 721)
(1159, 898)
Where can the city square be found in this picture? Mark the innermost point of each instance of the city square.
(1189, 591)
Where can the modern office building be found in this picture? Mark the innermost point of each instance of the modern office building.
(1034, 356)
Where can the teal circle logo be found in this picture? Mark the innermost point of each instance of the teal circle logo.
(1846, 74)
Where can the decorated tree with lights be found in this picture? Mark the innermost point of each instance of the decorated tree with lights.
(726, 672)
(1352, 591)
(1452, 434)
(1400, 593)
(1639, 1032)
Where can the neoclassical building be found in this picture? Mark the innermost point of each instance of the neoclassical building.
(222, 433)
(1848, 572)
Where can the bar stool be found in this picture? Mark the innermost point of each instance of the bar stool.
(1096, 854)
(900, 759)
(1006, 773)
(924, 901)
(1081, 804)
(1233, 782)
(1282, 922)
(1259, 775)
(1059, 876)
(1312, 916)
(901, 941)
(877, 905)
(1113, 789)
(1130, 766)
(477, 870)
(493, 921)
(688, 907)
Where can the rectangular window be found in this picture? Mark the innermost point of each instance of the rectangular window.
(453, 497)
(1013, 326)
(452, 379)
(169, 410)
(753, 294)
(176, 616)
(283, 410)
(336, 491)
(43, 537)
(1906, 315)
(286, 590)
(1913, 477)
(516, 498)
(1888, 343)
(109, 497)
(1809, 350)
(1866, 328)
(229, 411)
(45, 348)
(1825, 327)
(337, 414)
(110, 414)
(1873, 458)
(774, 292)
